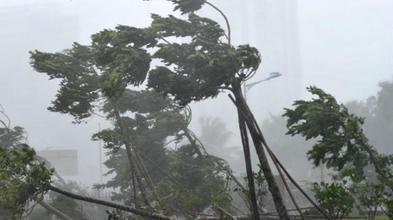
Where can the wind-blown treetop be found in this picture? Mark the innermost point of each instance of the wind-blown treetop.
(340, 138)
(340, 141)
(194, 62)
(187, 6)
(199, 68)
(11, 137)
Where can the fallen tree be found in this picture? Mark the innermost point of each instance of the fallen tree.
(135, 211)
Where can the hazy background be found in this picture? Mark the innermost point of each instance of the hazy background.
(342, 46)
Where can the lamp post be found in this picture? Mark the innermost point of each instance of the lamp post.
(247, 87)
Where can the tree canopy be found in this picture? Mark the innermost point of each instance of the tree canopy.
(185, 59)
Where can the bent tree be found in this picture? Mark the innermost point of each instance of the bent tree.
(204, 64)
(145, 120)
(341, 145)
(340, 140)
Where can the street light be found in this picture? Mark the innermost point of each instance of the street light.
(247, 87)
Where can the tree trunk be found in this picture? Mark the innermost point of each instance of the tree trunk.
(139, 212)
(136, 204)
(127, 142)
(192, 141)
(250, 174)
(257, 139)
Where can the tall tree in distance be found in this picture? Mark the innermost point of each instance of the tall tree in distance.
(214, 134)
(379, 119)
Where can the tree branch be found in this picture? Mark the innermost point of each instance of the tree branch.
(55, 211)
(225, 212)
(226, 20)
(2, 111)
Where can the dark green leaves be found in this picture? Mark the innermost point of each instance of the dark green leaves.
(79, 83)
(320, 116)
(206, 30)
(115, 59)
(111, 138)
(142, 102)
(120, 55)
(22, 178)
(76, 98)
(124, 36)
(202, 30)
(249, 59)
(11, 137)
(200, 66)
(187, 6)
(70, 64)
(171, 26)
(184, 88)
(339, 135)
(194, 70)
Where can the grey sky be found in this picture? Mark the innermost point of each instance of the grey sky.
(344, 46)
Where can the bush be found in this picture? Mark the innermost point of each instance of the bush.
(334, 198)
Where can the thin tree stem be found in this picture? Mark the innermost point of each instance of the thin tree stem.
(250, 174)
(55, 211)
(130, 154)
(226, 20)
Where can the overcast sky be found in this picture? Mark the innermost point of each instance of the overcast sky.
(344, 46)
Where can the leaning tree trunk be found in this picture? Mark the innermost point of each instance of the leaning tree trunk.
(243, 109)
(143, 213)
(130, 155)
(55, 211)
(250, 174)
